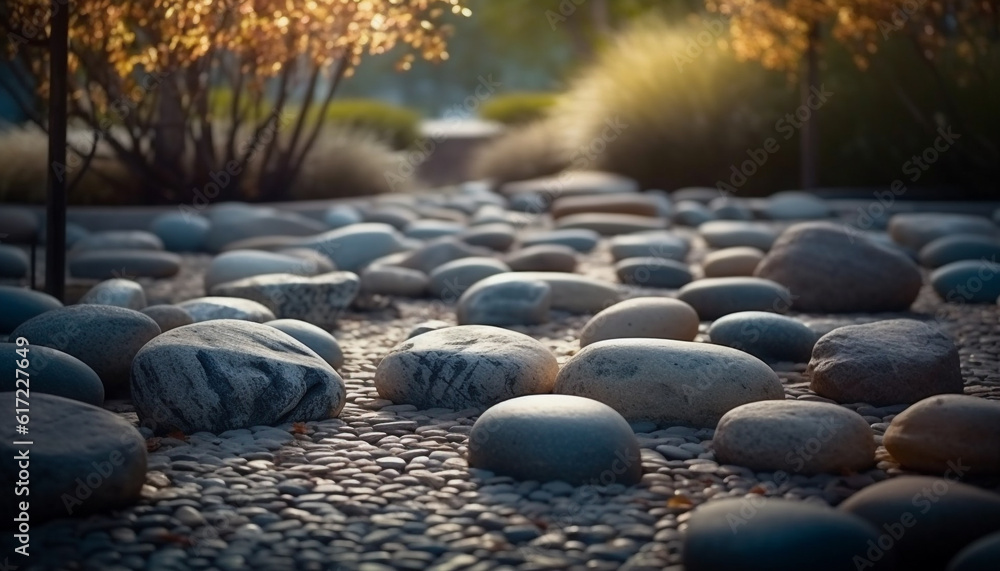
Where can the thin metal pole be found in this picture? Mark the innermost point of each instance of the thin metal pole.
(55, 247)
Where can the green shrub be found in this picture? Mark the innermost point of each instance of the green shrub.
(522, 152)
(517, 108)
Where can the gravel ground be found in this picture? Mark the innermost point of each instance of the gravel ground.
(387, 486)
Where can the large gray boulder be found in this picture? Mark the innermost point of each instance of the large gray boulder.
(317, 299)
(52, 372)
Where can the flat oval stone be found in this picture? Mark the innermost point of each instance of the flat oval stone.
(950, 249)
(768, 534)
(319, 340)
(310, 257)
(439, 252)
(770, 337)
(425, 326)
(394, 280)
(431, 229)
(239, 264)
(570, 292)
(691, 213)
(731, 262)
(653, 317)
(794, 205)
(612, 224)
(449, 281)
(14, 263)
(119, 240)
(702, 194)
(727, 208)
(117, 292)
(580, 239)
(84, 459)
(513, 300)
(635, 204)
(223, 307)
(968, 281)
(915, 230)
(542, 258)
(315, 299)
(181, 231)
(53, 372)
(253, 223)
(107, 264)
(467, 366)
(354, 247)
(797, 437)
(653, 272)
(168, 316)
(926, 521)
(934, 432)
(556, 437)
(21, 304)
(832, 269)
(980, 555)
(884, 363)
(735, 233)
(714, 297)
(340, 216)
(656, 244)
(397, 216)
(668, 382)
(104, 337)
(498, 236)
(227, 374)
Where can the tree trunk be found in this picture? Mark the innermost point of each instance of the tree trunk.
(809, 141)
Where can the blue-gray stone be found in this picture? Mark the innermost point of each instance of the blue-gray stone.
(224, 307)
(430, 229)
(317, 299)
(119, 240)
(734, 233)
(107, 264)
(340, 216)
(509, 301)
(181, 231)
(168, 316)
(767, 534)
(354, 247)
(981, 555)
(104, 337)
(14, 262)
(252, 223)
(656, 244)
(556, 437)
(83, 459)
(968, 281)
(917, 229)
(714, 297)
(53, 372)
(227, 374)
(21, 304)
(580, 239)
(319, 340)
(653, 272)
(957, 248)
(117, 292)
(497, 236)
(690, 213)
(726, 208)
(795, 205)
(449, 281)
(768, 336)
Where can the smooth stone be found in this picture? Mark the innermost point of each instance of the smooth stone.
(611, 224)
(181, 231)
(935, 517)
(691, 213)
(796, 437)
(119, 240)
(731, 262)
(770, 337)
(967, 281)
(769, 534)
(570, 292)
(227, 374)
(339, 216)
(319, 340)
(668, 382)
(933, 433)
(396, 216)
(21, 304)
(832, 270)
(950, 249)
(449, 281)
(498, 236)
(431, 229)
(317, 299)
(502, 302)
(563, 438)
(425, 326)
(266, 243)
(713, 298)
(107, 264)
(354, 247)
(466, 366)
(394, 280)
(650, 317)
(702, 194)
(653, 272)
(980, 555)
(168, 316)
(239, 264)
(884, 363)
(226, 307)
(53, 372)
(84, 460)
(256, 224)
(322, 264)
(736, 233)
(634, 204)
(644, 244)
(726, 208)
(542, 258)
(573, 183)
(439, 252)
(20, 224)
(14, 262)
(580, 239)
(117, 292)
(795, 205)
(104, 337)
(235, 211)
(916, 230)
